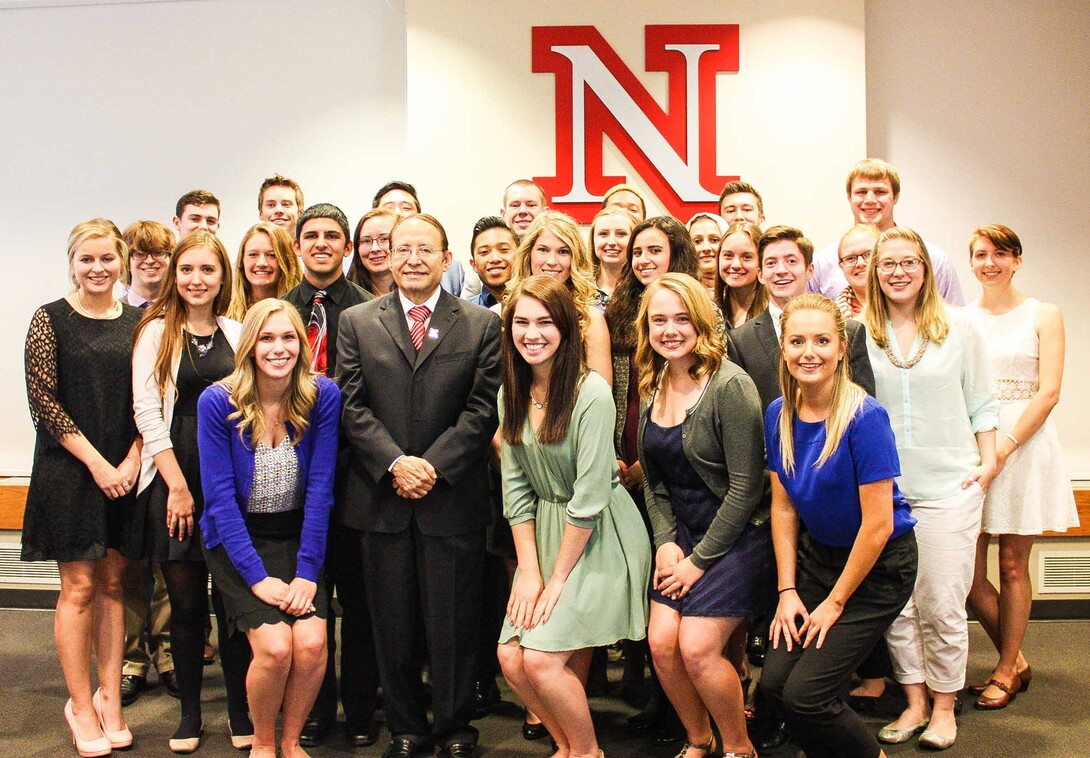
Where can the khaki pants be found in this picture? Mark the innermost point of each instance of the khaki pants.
(140, 614)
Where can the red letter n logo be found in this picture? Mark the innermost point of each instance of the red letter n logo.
(597, 95)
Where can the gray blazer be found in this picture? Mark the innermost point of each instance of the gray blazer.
(754, 347)
(723, 439)
(438, 404)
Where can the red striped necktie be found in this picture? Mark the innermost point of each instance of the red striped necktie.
(419, 315)
(317, 333)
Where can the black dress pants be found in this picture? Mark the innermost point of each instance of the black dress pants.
(811, 684)
(359, 668)
(410, 577)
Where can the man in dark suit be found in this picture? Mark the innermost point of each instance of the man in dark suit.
(786, 260)
(419, 373)
(786, 265)
(323, 241)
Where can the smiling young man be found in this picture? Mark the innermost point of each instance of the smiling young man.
(740, 201)
(492, 248)
(785, 268)
(196, 209)
(874, 187)
(523, 200)
(279, 201)
(419, 372)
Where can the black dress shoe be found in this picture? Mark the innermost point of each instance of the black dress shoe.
(484, 695)
(314, 732)
(756, 645)
(533, 731)
(459, 750)
(362, 737)
(400, 747)
(668, 731)
(772, 737)
(131, 687)
(170, 681)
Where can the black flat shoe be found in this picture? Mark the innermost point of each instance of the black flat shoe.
(533, 731)
(131, 687)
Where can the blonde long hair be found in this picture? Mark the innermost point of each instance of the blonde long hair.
(286, 261)
(241, 384)
(581, 274)
(709, 348)
(930, 311)
(170, 306)
(847, 397)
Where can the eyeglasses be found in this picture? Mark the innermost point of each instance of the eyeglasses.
(908, 265)
(851, 261)
(157, 255)
(422, 251)
(367, 242)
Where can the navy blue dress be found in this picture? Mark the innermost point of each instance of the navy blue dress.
(739, 583)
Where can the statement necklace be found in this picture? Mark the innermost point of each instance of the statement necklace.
(911, 361)
(203, 348)
(536, 404)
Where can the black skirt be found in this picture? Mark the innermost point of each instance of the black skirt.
(276, 540)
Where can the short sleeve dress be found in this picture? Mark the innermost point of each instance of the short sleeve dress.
(78, 375)
(575, 481)
(1033, 492)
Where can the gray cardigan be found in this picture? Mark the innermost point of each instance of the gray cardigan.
(723, 438)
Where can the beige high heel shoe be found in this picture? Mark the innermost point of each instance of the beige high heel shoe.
(86, 748)
(122, 738)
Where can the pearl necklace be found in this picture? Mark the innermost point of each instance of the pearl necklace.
(113, 311)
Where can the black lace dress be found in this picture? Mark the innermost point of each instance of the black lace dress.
(79, 380)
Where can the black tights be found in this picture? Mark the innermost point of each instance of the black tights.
(235, 659)
(187, 583)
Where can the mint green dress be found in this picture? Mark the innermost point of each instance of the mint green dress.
(575, 482)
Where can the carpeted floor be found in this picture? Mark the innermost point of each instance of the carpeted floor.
(1052, 719)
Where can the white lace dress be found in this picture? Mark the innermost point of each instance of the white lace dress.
(1033, 493)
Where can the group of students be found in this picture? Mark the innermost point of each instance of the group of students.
(680, 425)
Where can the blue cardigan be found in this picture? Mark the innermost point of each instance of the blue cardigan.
(227, 472)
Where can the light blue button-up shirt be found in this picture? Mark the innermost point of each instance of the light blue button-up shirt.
(937, 407)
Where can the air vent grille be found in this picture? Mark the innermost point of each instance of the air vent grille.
(14, 571)
(1063, 572)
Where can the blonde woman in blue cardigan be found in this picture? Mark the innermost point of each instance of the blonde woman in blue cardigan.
(268, 441)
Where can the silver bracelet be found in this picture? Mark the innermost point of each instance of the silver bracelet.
(1012, 439)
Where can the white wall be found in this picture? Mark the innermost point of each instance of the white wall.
(480, 118)
(117, 110)
(984, 107)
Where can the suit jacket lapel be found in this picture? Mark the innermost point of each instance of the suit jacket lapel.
(447, 311)
(766, 333)
(393, 319)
